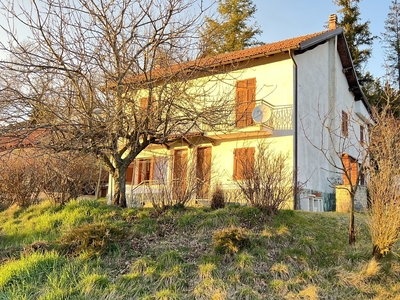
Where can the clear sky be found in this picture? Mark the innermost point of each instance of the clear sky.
(282, 19)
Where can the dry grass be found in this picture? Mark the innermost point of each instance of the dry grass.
(294, 255)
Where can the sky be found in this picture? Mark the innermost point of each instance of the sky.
(282, 19)
(290, 18)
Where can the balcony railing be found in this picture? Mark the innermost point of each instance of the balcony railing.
(281, 118)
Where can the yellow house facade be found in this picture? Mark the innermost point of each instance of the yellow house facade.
(278, 92)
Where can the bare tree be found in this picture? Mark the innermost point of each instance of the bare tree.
(342, 143)
(106, 77)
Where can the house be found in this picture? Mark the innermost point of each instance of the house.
(283, 92)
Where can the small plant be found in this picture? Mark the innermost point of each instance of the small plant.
(230, 240)
(218, 198)
(39, 246)
(91, 239)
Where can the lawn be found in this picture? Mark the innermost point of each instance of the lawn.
(88, 250)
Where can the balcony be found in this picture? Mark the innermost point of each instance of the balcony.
(242, 124)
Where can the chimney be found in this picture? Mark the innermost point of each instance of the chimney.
(332, 23)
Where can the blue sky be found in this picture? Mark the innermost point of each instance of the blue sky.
(289, 18)
(282, 19)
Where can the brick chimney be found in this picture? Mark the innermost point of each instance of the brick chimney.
(332, 23)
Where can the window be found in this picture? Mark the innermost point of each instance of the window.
(243, 163)
(146, 114)
(143, 170)
(245, 102)
(147, 170)
(361, 134)
(345, 124)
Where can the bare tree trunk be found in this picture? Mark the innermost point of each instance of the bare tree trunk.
(352, 234)
(119, 197)
(98, 185)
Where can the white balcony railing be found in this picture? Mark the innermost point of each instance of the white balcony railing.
(280, 118)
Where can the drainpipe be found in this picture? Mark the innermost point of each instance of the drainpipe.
(295, 130)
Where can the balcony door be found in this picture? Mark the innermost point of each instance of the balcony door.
(245, 102)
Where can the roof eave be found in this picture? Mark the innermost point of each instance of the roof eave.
(322, 38)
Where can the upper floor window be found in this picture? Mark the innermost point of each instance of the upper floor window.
(245, 102)
(345, 124)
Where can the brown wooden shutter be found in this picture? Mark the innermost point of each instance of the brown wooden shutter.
(144, 102)
(245, 102)
(351, 166)
(345, 124)
(243, 163)
(129, 174)
(203, 172)
(361, 134)
(180, 173)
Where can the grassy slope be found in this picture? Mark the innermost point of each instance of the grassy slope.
(133, 255)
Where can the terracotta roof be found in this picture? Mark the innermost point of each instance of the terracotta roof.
(22, 139)
(236, 56)
(284, 45)
(297, 44)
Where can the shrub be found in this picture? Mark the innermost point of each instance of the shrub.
(20, 178)
(91, 239)
(265, 178)
(230, 240)
(218, 198)
(67, 175)
(175, 193)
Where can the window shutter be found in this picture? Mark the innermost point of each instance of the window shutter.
(243, 163)
(129, 174)
(245, 102)
(345, 124)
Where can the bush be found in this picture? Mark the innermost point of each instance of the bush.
(230, 240)
(91, 239)
(266, 178)
(19, 179)
(218, 198)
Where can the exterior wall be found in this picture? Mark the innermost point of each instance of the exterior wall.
(274, 84)
(323, 93)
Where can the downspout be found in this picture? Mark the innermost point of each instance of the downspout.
(295, 131)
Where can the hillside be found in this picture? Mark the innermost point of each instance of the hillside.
(87, 250)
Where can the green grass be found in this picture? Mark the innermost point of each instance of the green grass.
(87, 250)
